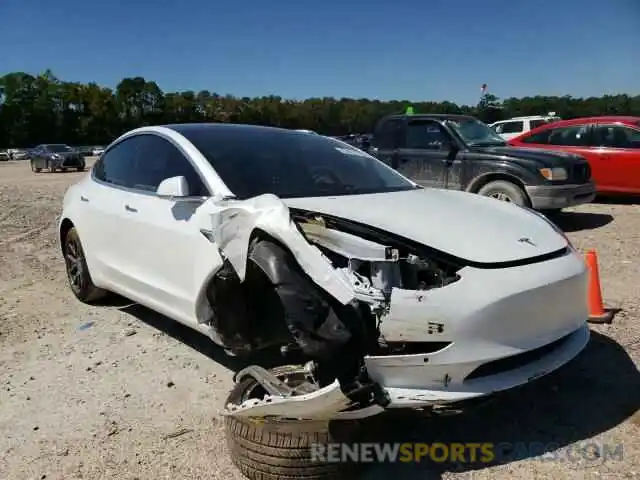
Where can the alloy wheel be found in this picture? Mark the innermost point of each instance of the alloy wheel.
(75, 264)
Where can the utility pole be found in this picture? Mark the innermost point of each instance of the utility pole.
(483, 95)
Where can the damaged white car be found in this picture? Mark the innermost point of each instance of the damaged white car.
(398, 296)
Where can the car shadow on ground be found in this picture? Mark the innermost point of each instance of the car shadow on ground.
(592, 394)
(576, 221)
(618, 200)
(196, 340)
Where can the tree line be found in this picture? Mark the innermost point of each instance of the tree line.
(44, 109)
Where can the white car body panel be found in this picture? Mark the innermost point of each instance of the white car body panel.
(233, 227)
(484, 231)
(162, 252)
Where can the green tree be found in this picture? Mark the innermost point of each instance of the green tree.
(43, 108)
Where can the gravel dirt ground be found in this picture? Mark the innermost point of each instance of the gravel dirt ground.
(119, 392)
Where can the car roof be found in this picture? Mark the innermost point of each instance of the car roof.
(187, 128)
(624, 119)
(530, 117)
(436, 116)
(602, 119)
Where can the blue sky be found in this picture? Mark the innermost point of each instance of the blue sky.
(407, 49)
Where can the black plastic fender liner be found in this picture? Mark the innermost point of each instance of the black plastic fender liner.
(325, 330)
(227, 300)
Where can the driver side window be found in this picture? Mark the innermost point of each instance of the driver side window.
(157, 160)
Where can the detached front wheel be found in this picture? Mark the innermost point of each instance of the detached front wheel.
(273, 449)
(505, 191)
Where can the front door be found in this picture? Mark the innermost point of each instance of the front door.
(384, 144)
(173, 257)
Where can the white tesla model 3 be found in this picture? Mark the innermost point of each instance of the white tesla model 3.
(260, 236)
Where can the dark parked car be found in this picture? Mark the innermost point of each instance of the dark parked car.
(56, 156)
(461, 153)
(85, 150)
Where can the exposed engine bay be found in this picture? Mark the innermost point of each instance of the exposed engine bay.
(373, 268)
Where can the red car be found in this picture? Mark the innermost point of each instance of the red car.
(611, 145)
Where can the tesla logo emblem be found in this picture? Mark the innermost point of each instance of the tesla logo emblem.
(527, 241)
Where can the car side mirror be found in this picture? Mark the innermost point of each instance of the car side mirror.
(174, 187)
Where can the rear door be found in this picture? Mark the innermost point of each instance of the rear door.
(618, 147)
(384, 144)
(424, 152)
(104, 199)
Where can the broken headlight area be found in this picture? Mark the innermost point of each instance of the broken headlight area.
(373, 265)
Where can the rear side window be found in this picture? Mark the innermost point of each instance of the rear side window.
(536, 123)
(386, 136)
(116, 166)
(512, 127)
(616, 136)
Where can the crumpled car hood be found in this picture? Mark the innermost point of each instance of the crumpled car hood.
(468, 226)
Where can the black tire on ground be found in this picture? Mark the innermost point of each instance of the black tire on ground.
(78, 274)
(80, 169)
(274, 450)
(505, 191)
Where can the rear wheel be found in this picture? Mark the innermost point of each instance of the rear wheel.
(77, 271)
(505, 191)
(269, 449)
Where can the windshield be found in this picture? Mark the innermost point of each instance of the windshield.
(58, 148)
(475, 133)
(292, 164)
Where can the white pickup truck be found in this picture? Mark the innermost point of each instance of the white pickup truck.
(516, 126)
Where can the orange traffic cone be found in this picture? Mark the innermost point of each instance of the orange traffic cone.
(597, 312)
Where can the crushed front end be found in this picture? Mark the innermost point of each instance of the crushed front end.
(440, 331)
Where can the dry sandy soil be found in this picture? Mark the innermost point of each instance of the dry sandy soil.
(118, 392)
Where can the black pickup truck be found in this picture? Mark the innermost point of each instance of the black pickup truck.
(462, 153)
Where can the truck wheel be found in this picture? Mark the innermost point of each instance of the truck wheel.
(505, 191)
(266, 449)
(77, 271)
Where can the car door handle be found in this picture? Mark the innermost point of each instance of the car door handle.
(83, 198)
(130, 209)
